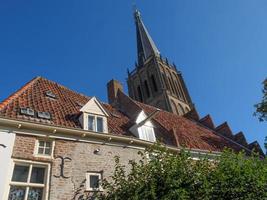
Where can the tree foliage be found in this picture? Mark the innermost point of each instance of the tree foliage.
(168, 176)
(261, 108)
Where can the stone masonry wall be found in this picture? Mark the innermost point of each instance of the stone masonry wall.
(83, 159)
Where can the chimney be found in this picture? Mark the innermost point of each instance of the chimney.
(113, 86)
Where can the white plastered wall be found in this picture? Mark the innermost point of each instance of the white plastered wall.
(6, 146)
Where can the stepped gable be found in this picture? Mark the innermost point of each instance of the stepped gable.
(225, 130)
(189, 133)
(64, 109)
(241, 139)
(254, 146)
(207, 121)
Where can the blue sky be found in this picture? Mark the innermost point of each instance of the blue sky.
(220, 46)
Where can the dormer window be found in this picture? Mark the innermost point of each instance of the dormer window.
(143, 128)
(95, 123)
(94, 116)
(146, 133)
(50, 94)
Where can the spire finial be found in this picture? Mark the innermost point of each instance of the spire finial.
(145, 45)
(134, 6)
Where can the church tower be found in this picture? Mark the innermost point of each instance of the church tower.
(154, 80)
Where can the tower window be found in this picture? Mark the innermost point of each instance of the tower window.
(166, 82)
(171, 84)
(180, 109)
(147, 89)
(155, 88)
(140, 93)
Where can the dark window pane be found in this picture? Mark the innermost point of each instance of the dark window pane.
(99, 124)
(37, 175)
(154, 83)
(48, 144)
(41, 143)
(20, 173)
(91, 123)
(147, 89)
(40, 150)
(140, 93)
(47, 151)
(35, 194)
(94, 181)
(16, 193)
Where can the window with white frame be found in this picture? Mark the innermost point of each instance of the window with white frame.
(28, 182)
(95, 123)
(44, 147)
(93, 181)
(143, 128)
(147, 133)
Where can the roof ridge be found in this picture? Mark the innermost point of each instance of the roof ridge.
(18, 92)
(132, 100)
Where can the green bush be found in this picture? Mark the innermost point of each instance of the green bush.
(176, 176)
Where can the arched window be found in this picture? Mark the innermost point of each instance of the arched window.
(171, 84)
(139, 93)
(186, 110)
(174, 107)
(166, 82)
(180, 109)
(155, 87)
(181, 91)
(147, 89)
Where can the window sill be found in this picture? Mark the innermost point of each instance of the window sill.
(43, 156)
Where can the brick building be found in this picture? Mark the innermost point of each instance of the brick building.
(57, 144)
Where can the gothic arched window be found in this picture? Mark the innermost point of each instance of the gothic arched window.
(186, 110)
(147, 89)
(174, 107)
(139, 93)
(155, 88)
(180, 109)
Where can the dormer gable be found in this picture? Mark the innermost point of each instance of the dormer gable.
(143, 128)
(94, 116)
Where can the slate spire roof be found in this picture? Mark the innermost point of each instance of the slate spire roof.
(171, 129)
(145, 45)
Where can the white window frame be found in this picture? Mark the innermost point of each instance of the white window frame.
(143, 134)
(45, 185)
(140, 129)
(95, 123)
(36, 149)
(87, 183)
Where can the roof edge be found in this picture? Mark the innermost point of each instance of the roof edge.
(10, 98)
(20, 125)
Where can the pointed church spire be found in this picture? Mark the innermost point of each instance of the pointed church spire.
(145, 45)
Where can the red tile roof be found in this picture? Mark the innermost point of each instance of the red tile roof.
(189, 133)
(65, 110)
